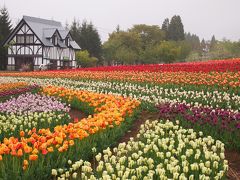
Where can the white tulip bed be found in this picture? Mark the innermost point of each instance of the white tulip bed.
(150, 95)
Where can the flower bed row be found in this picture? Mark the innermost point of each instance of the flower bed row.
(219, 123)
(162, 150)
(4, 87)
(18, 125)
(16, 91)
(32, 103)
(150, 95)
(38, 151)
(218, 79)
(206, 66)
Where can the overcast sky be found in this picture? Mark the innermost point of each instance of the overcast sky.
(201, 17)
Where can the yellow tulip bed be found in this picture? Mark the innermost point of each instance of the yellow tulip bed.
(38, 151)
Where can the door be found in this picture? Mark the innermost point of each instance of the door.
(24, 63)
(53, 64)
(66, 64)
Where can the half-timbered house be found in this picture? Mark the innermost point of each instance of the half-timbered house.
(36, 42)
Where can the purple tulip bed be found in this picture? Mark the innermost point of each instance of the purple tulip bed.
(219, 123)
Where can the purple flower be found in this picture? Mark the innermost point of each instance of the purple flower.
(238, 125)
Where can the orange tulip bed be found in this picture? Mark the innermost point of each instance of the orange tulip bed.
(11, 86)
(39, 150)
(220, 79)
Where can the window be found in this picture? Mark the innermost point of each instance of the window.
(67, 41)
(29, 39)
(20, 39)
(25, 39)
(55, 40)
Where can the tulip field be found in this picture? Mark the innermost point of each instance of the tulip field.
(194, 131)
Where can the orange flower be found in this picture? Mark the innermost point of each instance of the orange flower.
(25, 162)
(50, 149)
(27, 149)
(35, 151)
(33, 157)
(22, 133)
(1, 157)
(19, 153)
(71, 143)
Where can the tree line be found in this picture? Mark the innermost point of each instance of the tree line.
(140, 44)
(5, 29)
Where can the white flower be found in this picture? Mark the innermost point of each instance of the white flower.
(74, 175)
(54, 172)
(69, 162)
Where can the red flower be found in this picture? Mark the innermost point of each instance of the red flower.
(75, 120)
(44, 151)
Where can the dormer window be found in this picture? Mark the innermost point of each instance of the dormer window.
(54, 40)
(67, 41)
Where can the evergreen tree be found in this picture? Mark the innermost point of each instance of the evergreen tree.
(165, 27)
(176, 29)
(5, 29)
(5, 23)
(213, 43)
(87, 37)
(74, 30)
(194, 41)
(90, 39)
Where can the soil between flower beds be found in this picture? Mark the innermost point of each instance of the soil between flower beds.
(233, 157)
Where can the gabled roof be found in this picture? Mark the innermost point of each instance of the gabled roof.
(74, 45)
(39, 25)
(44, 29)
(61, 44)
(48, 33)
(63, 33)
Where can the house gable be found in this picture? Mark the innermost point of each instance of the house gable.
(22, 29)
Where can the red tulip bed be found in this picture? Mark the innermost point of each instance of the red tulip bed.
(184, 122)
(206, 66)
